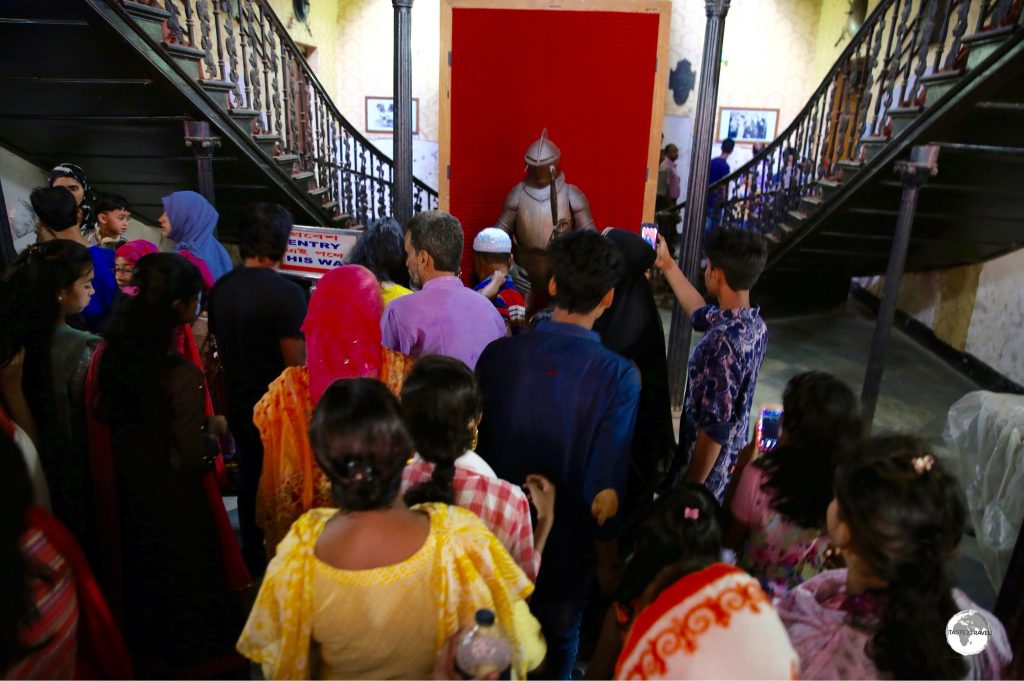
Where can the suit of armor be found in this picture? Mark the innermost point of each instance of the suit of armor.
(533, 214)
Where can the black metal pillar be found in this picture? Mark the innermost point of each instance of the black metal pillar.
(697, 189)
(401, 187)
(7, 252)
(913, 174)
(202, 144)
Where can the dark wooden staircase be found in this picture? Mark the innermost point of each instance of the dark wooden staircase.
(825, 193)
(134, 92)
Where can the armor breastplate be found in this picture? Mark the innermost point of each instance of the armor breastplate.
(533, 227)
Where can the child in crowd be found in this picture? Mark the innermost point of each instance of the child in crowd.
(724, 366)
(441, 403)
(898, 518)
(780, 500)
(112, 216)
(492, 258)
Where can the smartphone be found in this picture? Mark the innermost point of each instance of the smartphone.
(649, 233)
(769, 427)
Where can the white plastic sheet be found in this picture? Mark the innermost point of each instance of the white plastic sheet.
(985, 433)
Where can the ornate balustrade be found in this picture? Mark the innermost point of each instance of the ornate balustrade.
(249, 53)
(877, 85)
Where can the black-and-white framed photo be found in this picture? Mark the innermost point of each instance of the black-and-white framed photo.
(747, 126)
(380, 114)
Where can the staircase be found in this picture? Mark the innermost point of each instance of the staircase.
(945, 72)
(135, 92)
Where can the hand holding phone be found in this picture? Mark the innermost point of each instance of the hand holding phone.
(769, 427)
(649, 233)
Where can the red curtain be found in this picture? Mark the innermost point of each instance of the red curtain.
(586, 76)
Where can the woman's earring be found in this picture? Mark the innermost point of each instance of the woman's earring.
(60, 299)
(476, 437)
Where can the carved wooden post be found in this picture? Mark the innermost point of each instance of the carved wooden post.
(401, 188)
(202, 144)
(697, 189)
(913, 174)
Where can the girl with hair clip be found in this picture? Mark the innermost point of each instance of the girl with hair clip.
(51, 283)
(441, 404)
(898, 517)
(659, 625)
(780, 499)
(374, 590)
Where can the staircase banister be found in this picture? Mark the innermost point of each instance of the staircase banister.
(286, 39)
(854, 45)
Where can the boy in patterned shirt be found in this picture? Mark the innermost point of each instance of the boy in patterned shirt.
(722, 371)
(492, 257)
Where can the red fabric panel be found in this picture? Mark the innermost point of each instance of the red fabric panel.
(586, 76)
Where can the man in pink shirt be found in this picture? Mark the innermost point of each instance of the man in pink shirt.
(444, 317)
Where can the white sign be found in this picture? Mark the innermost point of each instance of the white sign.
(312, 251)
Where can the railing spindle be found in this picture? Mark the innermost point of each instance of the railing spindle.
(229, 43)
(189, 31)
(203, 9)
(958, 34)
(217, 21)
(173, 24)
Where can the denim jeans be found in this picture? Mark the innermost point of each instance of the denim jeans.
(560, 622)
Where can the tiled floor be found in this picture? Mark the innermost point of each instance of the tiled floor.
(916, 394)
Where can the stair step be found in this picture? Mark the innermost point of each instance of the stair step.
(317, 192)
(771, 238)
(810, 204)
(341, 218)
(786, 228)
(268, 142)
(829, 186)
(219, 90)
(286, 159)
(149, 19)
(938, 84)
(329, 207)
(187, 57)
(902, 117)
(850, 167)
(798, 216)
(304, 176)
(872, 145)
(984, 43)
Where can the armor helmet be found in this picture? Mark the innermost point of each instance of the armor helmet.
(543, 152)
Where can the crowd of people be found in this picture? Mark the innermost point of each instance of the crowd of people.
(412, 450)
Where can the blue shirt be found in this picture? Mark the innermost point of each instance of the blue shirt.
(722, 375)
(558, 403)
(105, 289)
(718, 169)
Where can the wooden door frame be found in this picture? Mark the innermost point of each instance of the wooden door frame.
(663, 8)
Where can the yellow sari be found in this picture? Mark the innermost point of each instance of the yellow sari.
(291, 483)
(312, 620)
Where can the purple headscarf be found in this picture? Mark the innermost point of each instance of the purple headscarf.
(193, 220)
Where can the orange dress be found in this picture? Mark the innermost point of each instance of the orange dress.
(291, 483)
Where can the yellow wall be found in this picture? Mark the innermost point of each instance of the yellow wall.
(765, 57)
(321, 31)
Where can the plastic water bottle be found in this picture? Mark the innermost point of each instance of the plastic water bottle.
(483, 650)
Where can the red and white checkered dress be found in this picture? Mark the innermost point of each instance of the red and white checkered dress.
(502, 506)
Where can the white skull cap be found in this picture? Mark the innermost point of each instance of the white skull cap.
(492, 240)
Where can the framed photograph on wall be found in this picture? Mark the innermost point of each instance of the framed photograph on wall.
(380, 114)
(747, 126)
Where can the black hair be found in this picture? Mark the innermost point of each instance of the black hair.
(36, 279)
(55, 207)
(728, 144)
(381, 249)
(666, 537)
(439, 234)
(16, 570)
(822, 425)
(361, 443)
(585, 267)
(264, 230)
(140, 331)
(11, 331)
(906, 516)
(739, 253)
(440, 400)
(107, 202)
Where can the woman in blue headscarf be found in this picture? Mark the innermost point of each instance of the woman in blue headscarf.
(189, 220)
